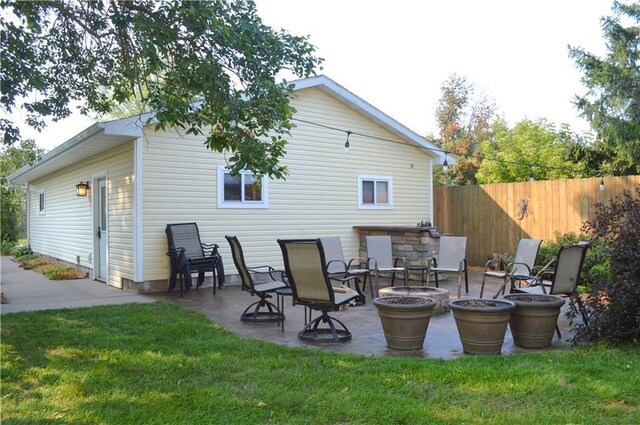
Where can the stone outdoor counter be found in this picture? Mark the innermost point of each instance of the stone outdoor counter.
(415, 243)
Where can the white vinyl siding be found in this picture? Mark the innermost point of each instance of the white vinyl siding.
(318, 198)
(66, 231)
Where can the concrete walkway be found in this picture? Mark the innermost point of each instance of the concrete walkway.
(26, 290)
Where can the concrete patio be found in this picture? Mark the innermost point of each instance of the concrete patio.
(442, 340)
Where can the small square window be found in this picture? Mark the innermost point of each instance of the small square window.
(241, 191)
(375, 192)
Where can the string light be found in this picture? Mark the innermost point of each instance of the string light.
(346, 144)
(445, 165)
(601, 184)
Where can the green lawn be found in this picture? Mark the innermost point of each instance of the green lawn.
(162, 364)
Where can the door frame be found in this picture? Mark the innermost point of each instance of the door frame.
(95, 195)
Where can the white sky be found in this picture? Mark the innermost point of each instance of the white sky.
(396, 54)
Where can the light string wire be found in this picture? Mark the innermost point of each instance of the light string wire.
(445, 152)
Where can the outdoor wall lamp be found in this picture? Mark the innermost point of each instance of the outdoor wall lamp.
(82, 189)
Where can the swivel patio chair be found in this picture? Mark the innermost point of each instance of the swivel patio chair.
(262, 310)
(189, 255)
(521, 268)
(380, 259)
(306, 270)
(564, 279)
(452, 259)
(337, 266)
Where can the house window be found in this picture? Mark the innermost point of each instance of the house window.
(41, 199)
(241, 191)
(375, 192)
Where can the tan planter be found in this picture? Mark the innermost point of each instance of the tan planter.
(482, 324)
(440, 296)
(404, 319)
(534, 320)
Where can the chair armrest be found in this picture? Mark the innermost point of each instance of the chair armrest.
(494, 263)
(363, 263)
(269, 270)
(512, 266)
(344, 265)
(209, 249)
(404, 262)
(348, 279)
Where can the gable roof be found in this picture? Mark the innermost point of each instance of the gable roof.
(103, 136)
(365, 108)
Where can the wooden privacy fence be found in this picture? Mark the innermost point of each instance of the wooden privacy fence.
(496, 216)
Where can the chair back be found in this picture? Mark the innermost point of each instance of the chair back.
(304, 263)
(241, 265)
(452, 251)
(187, 236)
(568, 268)
(526, 255)
(333, 253)
(379, 248)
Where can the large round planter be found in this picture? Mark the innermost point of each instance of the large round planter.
(404, 320)
(440, 296)
(534, 320)
(482, 324)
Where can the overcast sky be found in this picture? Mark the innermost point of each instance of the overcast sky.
(396, 54)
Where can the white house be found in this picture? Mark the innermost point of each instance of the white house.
(140, 180)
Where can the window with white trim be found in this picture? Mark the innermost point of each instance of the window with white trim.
(375, 192)
(41, 202)
(241, 191)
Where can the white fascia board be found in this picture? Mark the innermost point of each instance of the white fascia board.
(328, 85)
(123, 128)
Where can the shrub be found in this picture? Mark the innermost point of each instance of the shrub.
(19, 250)
(614, 294)
(6, 247)
(58, 272)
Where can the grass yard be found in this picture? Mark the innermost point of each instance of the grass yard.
(163, 364)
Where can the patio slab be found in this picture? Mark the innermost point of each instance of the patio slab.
(442, 340)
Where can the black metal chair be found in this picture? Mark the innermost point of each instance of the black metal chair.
(255, 312)
(187, 255)
(306, 270)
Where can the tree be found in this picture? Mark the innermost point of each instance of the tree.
(531, 146)
(12, 159)
(205, 67)
(464, 121)
(612, 102)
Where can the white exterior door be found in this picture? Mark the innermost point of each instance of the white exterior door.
(102, 232)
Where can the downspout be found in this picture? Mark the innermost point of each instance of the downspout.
(431, 210)
(138, 263)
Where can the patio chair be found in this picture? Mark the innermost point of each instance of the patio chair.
(189, 255)
(564, 278)
(306, 270)
(452, 259)
(380, 259)
(337, 266)
(256, 312)
(521, 268)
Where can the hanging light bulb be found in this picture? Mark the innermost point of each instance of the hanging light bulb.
(346, 144)
(601, 184)
(445, 164)
(531, 178)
